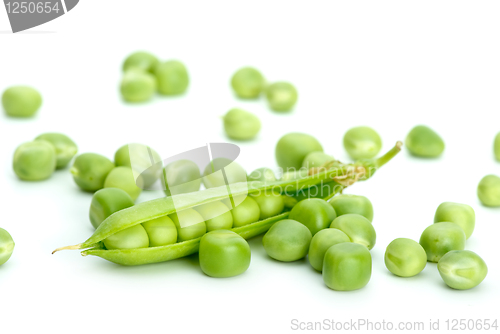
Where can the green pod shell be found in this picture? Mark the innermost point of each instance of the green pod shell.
(240, 124)
(34, 161)
(462, 269)
(488, 191)
(438, 239)
(344, 204)
(461, 214)
(424, 142)
(358, 228)
(172, 77)
(180, 177)
(287, 240)
(21, 101)
(292, 149)
(321, 242)
(65, 148)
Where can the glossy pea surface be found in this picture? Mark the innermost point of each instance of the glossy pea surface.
(281, 96)
(292, 149)
(220, 169)
(316, 159)
(224, 254)
(440, 238)
(161, 231)
(345, 203)
(141, 60)
(189, 224)
(248, 83)
(321, 242)
(488, 190)
(496, 147)
(137, 85)
(129, 238)
(424, 142)
(240, 124)
(405, 257)
(65, 148)
(270, 203)
(122, 177)
(287, 240)
(358, 228)
(216, 216)
(362, 142)
(6, 246)
(172, 77)
(462, 269)
(263, 174)
(181, 176)
(21, 101)
(34, 161)
(107, 201)
(244, 211)
(461, 214)
(347, 266)
(144, 161)
(316, 214)
(89, 171)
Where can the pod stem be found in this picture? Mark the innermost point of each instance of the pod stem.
(389, 155)
(67, 248)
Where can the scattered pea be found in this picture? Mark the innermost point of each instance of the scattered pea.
(281, 96)
(287, 240)
(293, 147)
(189, 224)
(438, 239)
(321, 242)
(144, 161)
(21, 101)
(316, 159)
(270, 203)
(107, 201)
(90, 170)
(215, 171)
(172, 78)
(461, 214)
(65, 148)
(316, 214)
(137, 85)
(34, 161)
(344, 204)
(405, 257)
(462, 269)
(142, 60)
(496, 147)
(129, 238)
(161, 231)
(181, 176)
(123, 178)
(216, 216)
(240, 124)
(248, 83)
(422, 141)
(488, 190)
(6, 246)
(358, 228)
(262, 174)
(362, 142)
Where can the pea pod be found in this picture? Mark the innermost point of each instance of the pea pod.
(345, 176)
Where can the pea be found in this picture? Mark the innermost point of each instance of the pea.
(123, 178)
(347, 266)
(316, 159)
(6, 246)
(321, 242)
(424, 142)
(263, 174)
(461, 214)
(496, 147)
(182, 176)
(362, 142)
(293, 147)
(438, 239)
(488, 190)
(358, 229)
(34, 161)
(129, 238)
(220, 169)
(281, 96)
(144, 161)
(21, 101)
(189, 224)
(161, 231)
(294, 175)
(287, 240)
(107, 201)
(462, 269)
(90, 170)
(65, 148)
(289, 202)
(240, 124)
(137, 85)
(344, 204)
(216, 216)
(315, 213)
(244, 210)
(141, 60)
(270, 203)
(405, 257)
(172, 78)
(248, 83)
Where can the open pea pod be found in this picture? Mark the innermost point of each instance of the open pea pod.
(334, 177)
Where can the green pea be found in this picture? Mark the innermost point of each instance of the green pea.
(189, 223)
(182, 176)
(316, 214)
(461, 214)
(34, 161)
(129, 238)
(137, 85)
(172, 77)
(224, 254)
(270, 203)
(90, 170)
(244, 210)
(359, 229)
(321, 242)
(424, 142)
(281, 96)
(294, 175)
(344, 204)
(496, 147)
(462, 269)
(438, 239)
(287, 240)
(141, 60)
(347, 266)
(362, 142)
(293, 147)
(214, 173)
(107, 201)
(65, 148)
(240, 124)
(262, 174)
(405, 257)
(216, 215)
(123, 178)
(6, 246)
(248, 83)
(289, 202)
(316, 159)
(161, 231)
(21, 101)
(144, 161)
(488, 190)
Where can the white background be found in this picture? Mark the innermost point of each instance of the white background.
(386, 64)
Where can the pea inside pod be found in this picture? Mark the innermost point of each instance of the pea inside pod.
(263, 174)
(240, 124)
(270, 203)
(424, 142)
(189, 224)
(244, 210)
(34, 161)
(90, 170)
(216, 215)
(358, 229)
(65, 148)
(488, 190)
(6, 246)
(130, 238)
(21, 101)
(462, 269)
(161, 231)
(316, 159)
(248, 83)
(440, 238)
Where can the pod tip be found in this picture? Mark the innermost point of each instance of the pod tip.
(67, 248)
